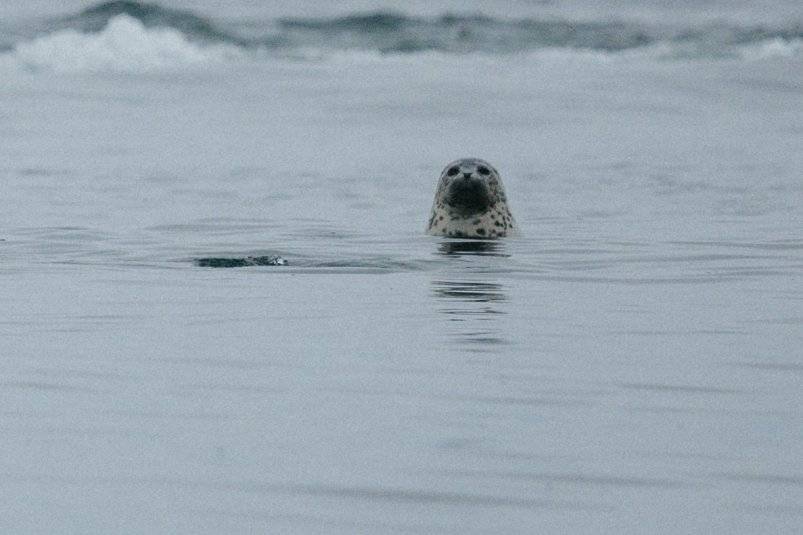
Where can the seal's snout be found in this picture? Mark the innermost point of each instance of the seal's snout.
(468, 175)
(469, 195)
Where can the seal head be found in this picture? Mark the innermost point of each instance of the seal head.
(470, 202)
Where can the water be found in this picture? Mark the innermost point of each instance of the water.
(631, 363)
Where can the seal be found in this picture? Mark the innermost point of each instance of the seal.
(470, 202)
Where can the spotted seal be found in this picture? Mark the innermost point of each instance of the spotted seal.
(470, 202)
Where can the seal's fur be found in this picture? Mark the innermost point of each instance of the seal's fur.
(470, 202)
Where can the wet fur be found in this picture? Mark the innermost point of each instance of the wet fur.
(474, 209)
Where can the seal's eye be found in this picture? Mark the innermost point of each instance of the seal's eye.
(484, 171)
(452, 171)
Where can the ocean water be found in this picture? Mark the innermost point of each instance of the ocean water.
(631, 363)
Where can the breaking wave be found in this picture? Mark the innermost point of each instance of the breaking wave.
(95, 19)
(124, 45)
(137, 36)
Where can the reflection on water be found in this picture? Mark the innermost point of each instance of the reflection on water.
(472, 291)
(472, 247)
(471, 305)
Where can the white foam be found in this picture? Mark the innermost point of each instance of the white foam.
(772, 48)
(124, 45)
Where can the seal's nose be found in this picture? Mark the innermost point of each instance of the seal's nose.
(466, 175)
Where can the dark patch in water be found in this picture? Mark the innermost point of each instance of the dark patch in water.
(575, 478)
(412, 496)
(476, 291)
(370, 22)
(219, 262)
(471, 247)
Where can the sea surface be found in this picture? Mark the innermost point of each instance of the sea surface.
(220, 312)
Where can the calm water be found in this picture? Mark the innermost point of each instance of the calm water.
(630, 364)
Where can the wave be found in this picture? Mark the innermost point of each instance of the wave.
(395, 33)
(136, 36)
(388, 32)
(124, 45)
(95, 19)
